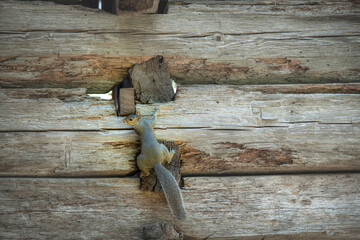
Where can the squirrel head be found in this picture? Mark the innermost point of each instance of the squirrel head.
(132, 120)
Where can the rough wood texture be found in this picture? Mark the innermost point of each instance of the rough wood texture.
(162, 231)
(229, 129)
(197, 106)
(68, 153)
(143, 6)
(244, 43)
(116, 209)
(151, 81)
(127, 101)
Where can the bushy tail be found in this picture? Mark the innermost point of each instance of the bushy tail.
(171, 190)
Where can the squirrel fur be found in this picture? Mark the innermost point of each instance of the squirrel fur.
(153, 155)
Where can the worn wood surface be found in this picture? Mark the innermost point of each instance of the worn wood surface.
(220, 129)
(203, 42)
(127, 101)
(196, 106)
(322, 205)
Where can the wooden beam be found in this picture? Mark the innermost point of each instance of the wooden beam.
(299, 148)
(127, 101)
(95, 50)
(68, 153)
(324, 206)
(197, 106)
(220, 129)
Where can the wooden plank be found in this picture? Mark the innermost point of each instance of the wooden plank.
(307, 147)
(54, 109)
(68, 153)
(278, 7)
(95, 50)
(127, 101)
(231, 207)
(196, 106)
(221, 130)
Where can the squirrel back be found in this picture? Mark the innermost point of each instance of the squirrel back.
(153, 154)
(171, 190)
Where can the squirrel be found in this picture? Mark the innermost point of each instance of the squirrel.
(153, 155)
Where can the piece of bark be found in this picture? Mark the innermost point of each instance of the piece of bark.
(127, 101)
(150, 183)
(152, 82)
(162, 231)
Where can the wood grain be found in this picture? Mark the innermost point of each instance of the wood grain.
(227, 130)
(115, 208)
(95, 50)
(299, 148)
(68, 153)
(196, 106)
(127, 101)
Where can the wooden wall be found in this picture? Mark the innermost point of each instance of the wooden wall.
(259, 161)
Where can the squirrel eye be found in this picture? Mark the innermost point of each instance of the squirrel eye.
(130, 119)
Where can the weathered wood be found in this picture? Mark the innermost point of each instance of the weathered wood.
(201, 106)
(68, 153)
(270, 7)
(127, 101)
(95, 50)
(162, 231)
(220, 129)
(143, 6)
(308, 147)
(151, 81)
(219, 208)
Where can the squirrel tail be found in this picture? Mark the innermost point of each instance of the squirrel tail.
(171, 190)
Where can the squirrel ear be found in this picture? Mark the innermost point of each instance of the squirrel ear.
(138, 116)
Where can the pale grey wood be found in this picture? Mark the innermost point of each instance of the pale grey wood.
(110, 153)
(270, 7)
(306, 147)
(202, 44)
(218, 207)
(221, 130)
(196, 106)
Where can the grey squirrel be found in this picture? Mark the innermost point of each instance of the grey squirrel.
(153, 155)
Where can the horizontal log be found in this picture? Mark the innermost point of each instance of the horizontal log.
(232, 207)
(95, 50)
(221, 130)
(271, 7)
(110, 153)
(196, 106)
(307, 147)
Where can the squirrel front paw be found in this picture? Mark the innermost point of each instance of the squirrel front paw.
(172, 151)
(144, 174)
